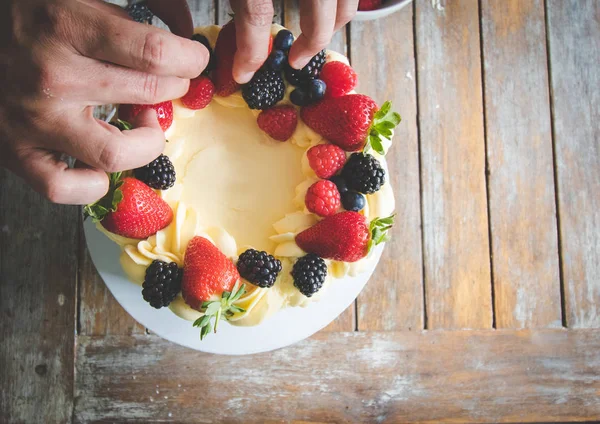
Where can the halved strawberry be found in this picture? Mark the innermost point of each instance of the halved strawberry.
(208, 273)
(352, 120)
(130, 209)
(345, 236)
(164, 112)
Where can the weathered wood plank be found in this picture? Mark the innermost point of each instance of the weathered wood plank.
(520, 165)
(347, 320)
(459, 376)
(574, 47)
(455, 227)
(38, 272)
(393, 299)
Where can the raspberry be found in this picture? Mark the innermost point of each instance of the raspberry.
(364, 5)
(323, 198)
(278, 122)
(326, 159)
(339, 78)
(164, 112)
(200, 93)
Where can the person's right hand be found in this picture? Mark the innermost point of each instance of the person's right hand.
(59, 59)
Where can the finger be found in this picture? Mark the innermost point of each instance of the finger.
(253, 29)
(141, 47)
(176, 14)
(112, 9)
(104, 147)
(317, 19)
(52, 178)
(346, 9)
(100, 83)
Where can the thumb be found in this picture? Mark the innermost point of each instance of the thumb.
(176, 14)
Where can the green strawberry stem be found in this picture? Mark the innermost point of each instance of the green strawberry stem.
(379, 228)
(384, 121)
(223, 308)
(109, 203)
(122, 125)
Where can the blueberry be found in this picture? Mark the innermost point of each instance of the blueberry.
(316, 89)
(284, 40)
(340, 183)
(353, 201)
(276, 60)
(299, 97)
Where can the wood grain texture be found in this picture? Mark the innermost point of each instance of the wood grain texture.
(574, 46)
(347, 319)
(459, 376)
(456, 245)
(520, 165)
(393, 298)
(38, 272)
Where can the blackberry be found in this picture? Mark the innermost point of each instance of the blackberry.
(363, 173)
(140, 12)
(158, 174)
(260, 268)
(211, 57)
(162, 283)
(264, 90)
(309, 274)
(311, 71)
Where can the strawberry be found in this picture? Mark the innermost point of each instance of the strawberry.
(352, 120)
(323, 198)
(278, 122)
(364, 5)
(339, 78)
(326, 159)
(164, 112)
(345, 236)
(208, 273)
(199, 94)
(130, 209)
(225, 49)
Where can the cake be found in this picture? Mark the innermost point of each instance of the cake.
(265, 194)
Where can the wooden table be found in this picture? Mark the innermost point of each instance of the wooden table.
(485, 307)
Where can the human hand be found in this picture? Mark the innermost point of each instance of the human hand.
(59, 59)
(319, 19)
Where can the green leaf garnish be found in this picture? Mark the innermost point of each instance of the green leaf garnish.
(379, 228)
(109, 203)
(384, 121)
(219, 309)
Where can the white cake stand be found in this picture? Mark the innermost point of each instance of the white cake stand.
(286, 327)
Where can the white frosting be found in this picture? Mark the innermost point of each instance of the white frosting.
(239, 188)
